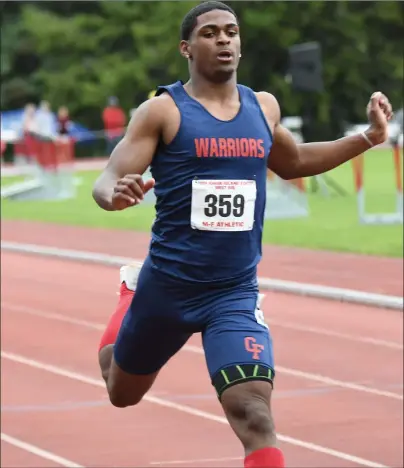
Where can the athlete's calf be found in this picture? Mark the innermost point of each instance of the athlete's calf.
(248, 409)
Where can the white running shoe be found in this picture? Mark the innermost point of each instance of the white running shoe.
(261, 297)
(129, 275)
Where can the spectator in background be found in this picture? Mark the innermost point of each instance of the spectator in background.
(45, 121)
(29, 121)
(65, 147)
(3, 147)
(29, 129)
(63, 121)
(114, 123)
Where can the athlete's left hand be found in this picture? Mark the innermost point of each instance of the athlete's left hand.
(379, 112)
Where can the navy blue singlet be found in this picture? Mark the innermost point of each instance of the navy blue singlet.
(205, 148)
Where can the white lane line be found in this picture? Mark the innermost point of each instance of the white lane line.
(342, 336)
(198, 350)
(194, 461)
(319, 378)
(281, 324)
(39, 452)
(186, 409)
(52, 316)
(270, 284)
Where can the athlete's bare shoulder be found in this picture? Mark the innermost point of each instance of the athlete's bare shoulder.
(167, 111)
(284, 150)
(269, 105)
(163, 99)
(154, 109)
(162, 103)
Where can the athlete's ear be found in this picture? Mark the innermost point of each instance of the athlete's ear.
(185, 49)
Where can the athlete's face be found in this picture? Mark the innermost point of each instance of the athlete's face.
(214, 46)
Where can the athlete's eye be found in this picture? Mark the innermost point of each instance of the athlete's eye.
(208, 34)
(232, 33)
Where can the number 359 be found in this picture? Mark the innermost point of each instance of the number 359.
(224, 205)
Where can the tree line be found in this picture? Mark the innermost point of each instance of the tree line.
(79, 53)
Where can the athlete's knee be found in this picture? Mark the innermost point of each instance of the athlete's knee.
(125, 389)
(248, 409)
(121, 398)
(121, 393)
(249, 404)
(117, 382)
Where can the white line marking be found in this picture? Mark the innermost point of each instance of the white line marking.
(290, 325)
(342, 336)
(39, 452)
(196, 460)
(338, 383)
(53, 316)
(186, 409)
(318, 378)
(270, 284)
(198, 350)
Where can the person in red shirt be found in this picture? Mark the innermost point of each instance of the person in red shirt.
(63, 121)
(3, 147)
(114, 120)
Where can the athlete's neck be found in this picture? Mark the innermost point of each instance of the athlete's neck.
(199, 88)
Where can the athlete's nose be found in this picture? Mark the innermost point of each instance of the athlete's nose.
(223, 39)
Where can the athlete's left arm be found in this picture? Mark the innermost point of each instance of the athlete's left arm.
(291, 160)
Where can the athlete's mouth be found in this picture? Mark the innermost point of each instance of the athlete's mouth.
(225, 56)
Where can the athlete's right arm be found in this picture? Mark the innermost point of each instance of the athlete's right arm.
(120, 184)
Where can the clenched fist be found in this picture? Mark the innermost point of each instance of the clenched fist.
(130, 191)
(379, 112)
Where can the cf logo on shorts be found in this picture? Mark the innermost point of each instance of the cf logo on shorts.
(253, 347)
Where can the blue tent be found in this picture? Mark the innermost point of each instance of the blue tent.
(12, 121)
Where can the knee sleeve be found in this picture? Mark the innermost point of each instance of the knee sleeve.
(237, 374)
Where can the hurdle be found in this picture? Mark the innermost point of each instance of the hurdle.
(395, 217)
(285, 199)
(52, 177)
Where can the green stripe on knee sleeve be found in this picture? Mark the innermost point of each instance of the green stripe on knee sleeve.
(236, 374)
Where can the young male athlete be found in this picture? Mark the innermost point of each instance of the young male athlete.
(208, 144)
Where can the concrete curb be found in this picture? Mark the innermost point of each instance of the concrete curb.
(267, 284)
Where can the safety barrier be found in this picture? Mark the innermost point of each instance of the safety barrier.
(49, 169)
(394, 217)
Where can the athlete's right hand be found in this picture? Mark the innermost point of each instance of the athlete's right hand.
(130, 191)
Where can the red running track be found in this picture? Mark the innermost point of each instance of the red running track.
(338, 386)
(374, 274)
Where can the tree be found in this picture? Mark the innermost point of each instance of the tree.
(79, 53)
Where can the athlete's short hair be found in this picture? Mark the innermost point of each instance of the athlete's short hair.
(190, 19)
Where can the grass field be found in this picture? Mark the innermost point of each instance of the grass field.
(332, 224)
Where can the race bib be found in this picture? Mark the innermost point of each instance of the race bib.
(223, 205)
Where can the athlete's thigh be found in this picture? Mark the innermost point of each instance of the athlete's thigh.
(238, 344)
(152, 330)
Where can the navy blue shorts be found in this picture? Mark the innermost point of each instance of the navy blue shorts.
(165, 312)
